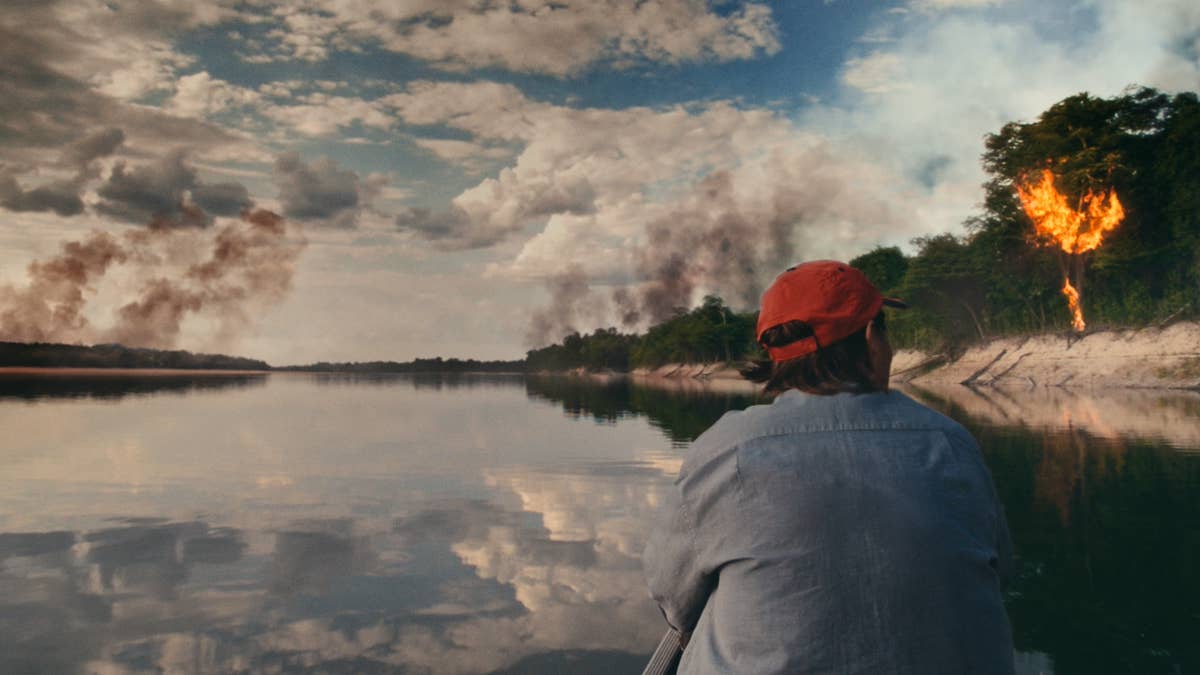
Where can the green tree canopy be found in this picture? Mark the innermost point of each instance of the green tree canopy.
(885, 266)
(995, 279)
(1142, 144)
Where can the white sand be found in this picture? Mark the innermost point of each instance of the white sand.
(1154, 358)
(1147, 358)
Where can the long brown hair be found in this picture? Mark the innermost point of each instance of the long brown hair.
(844, 366)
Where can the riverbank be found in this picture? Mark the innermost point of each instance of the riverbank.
(1147, 358)
(706, 376)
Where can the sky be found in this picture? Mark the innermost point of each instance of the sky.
(349, 180)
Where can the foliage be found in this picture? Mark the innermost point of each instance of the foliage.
(709, 333)
(885, 266)
(434, 365)
(604, 349)
(48, 355)
(995, 279)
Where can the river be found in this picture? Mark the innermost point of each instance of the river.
(494, 524)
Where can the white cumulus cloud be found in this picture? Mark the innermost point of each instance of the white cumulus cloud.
(569, 36)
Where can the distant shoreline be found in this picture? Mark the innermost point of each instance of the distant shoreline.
(1166, 357)
(118, 357)
(71, 371)
(159, 372)
(352, 371)
(1158, 358)
(62, 359)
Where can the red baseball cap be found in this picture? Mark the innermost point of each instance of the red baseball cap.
(833, 298)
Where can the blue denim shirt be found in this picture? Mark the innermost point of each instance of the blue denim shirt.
(835, 534)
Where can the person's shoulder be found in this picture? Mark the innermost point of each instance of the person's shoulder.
(738, 426)
(794, 412)
(733, 429)
(900, 399)
(922, 416)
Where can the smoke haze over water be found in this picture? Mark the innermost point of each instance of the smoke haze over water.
(222, 274)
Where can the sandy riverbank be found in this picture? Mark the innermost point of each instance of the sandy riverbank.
(699, 371)
(1155, 358)
(1148, 358)
(706, 376)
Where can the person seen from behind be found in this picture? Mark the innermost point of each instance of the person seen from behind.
(843, 528)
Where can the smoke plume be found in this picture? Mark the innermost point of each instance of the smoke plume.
(626, 306)
(734, 230)
(572, 302)
(50, 308)
(712, 242)
(708, 242)
(221, 276)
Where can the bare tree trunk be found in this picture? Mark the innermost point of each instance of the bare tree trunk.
(974, 318)
(1078, 260)
(725, 339)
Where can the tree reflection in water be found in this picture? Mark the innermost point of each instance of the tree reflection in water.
(118, 385)
(523, 557)
(1105, 521)
(681, 413)
(1106, 526)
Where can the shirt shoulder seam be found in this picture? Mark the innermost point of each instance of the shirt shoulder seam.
(770, 433)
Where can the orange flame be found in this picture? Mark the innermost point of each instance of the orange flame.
(1073, 301)
(1074, 230)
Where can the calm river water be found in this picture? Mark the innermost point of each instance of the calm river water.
(494, 524)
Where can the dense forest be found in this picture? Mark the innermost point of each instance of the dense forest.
(709, 333)
(48, 355)
(117, 356)
(998, 277)
(434, 365)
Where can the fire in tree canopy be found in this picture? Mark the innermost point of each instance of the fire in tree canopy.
(1075, 230)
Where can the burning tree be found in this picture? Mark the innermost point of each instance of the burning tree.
(1075, 230)
(1143, 146)
(1100, 148)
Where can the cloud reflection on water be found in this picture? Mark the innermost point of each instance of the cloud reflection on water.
(66, 597)
(527, 578)
(309, 557)
(574, 571)
(322, 525)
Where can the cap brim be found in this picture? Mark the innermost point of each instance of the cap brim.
(895, 303)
